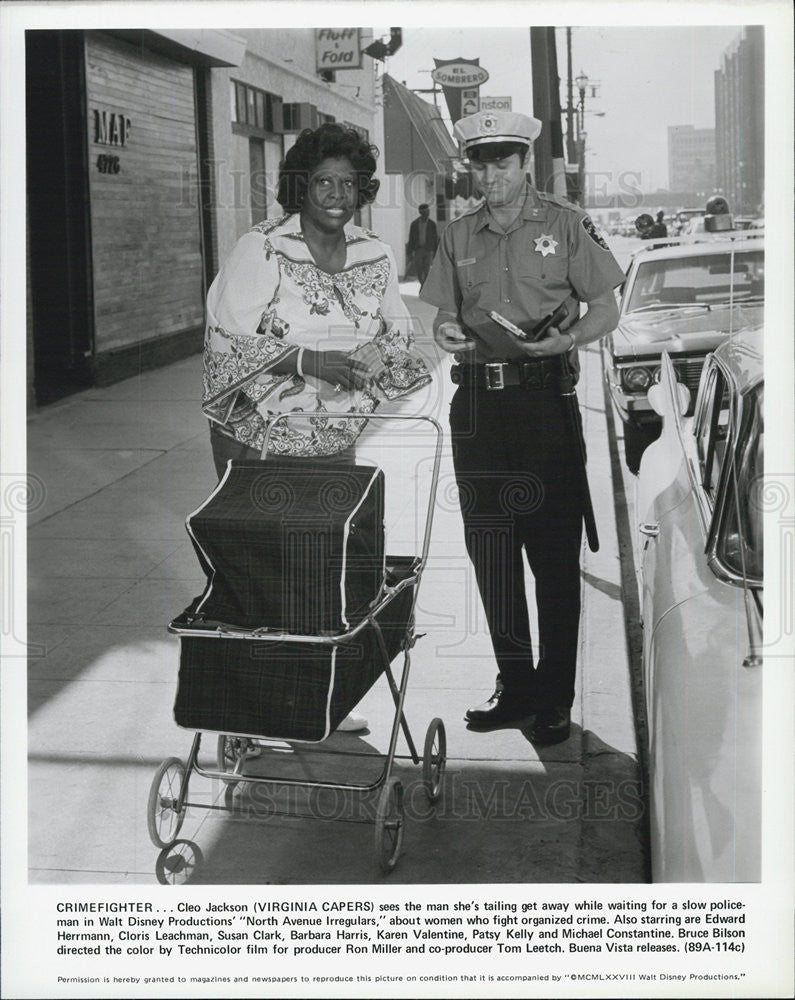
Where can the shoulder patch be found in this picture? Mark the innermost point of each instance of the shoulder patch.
(590, 228)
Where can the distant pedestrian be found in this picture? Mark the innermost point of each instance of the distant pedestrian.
(423, 240)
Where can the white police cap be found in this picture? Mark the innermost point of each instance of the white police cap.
(496, 126)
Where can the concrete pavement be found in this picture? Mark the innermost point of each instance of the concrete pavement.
(109, 563)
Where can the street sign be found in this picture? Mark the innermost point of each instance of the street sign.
(459, 74)
(337, 48)
(496, 103)
(470, 102)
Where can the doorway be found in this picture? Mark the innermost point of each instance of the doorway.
(58, 214)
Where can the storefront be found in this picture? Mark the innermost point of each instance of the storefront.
(148, 155)
(116, 244)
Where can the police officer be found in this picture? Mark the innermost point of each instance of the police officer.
(521, 253)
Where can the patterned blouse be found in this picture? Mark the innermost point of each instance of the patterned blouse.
(269, 299)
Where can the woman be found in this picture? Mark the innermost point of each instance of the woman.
(296, 297)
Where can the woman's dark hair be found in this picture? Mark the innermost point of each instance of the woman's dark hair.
(315, 145)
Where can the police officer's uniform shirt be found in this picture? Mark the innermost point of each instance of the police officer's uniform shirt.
(550, 253)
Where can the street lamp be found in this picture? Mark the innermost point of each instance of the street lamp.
(582, 82)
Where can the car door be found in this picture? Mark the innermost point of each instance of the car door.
(694, 645)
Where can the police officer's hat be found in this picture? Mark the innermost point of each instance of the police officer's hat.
(496, 126)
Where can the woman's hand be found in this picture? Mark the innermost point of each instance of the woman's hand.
(367, 363)
(339, 368)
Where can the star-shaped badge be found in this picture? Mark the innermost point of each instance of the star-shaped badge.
(545, 245)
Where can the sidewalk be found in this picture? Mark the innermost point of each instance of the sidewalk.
(110, 563)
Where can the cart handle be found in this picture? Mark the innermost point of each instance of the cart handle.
(355, 415)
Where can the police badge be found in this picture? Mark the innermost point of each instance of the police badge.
(589, 228)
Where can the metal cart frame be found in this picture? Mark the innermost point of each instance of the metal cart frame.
(168, 796)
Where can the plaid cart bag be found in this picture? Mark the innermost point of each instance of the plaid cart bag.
(289, 690)
(294, 547)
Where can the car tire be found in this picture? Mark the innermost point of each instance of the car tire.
(636, 440)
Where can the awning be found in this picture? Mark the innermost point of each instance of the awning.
(203, 47)
(416, 138)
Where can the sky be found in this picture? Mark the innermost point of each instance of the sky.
(647, 79)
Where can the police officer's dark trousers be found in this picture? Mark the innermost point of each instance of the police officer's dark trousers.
(518, 492)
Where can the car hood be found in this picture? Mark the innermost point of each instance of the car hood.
(696, 330)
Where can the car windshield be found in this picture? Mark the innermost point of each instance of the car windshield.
(705, 280)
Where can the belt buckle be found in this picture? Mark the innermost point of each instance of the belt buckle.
(495, 375)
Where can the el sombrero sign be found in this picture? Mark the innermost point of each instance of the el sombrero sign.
(459, 74)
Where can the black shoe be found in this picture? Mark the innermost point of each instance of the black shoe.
(552, 725)
(502, 707)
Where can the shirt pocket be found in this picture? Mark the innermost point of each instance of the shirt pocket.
(534, 266)
(472, 276)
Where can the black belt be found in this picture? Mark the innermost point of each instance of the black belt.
(537, 374)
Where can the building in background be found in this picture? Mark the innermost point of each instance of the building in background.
(258, 109)
(148, 154)
(740, 122)
(691, 162)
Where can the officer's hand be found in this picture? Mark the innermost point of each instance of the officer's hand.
(450, 337)
(553, 343)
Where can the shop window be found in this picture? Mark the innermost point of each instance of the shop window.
(299, 115)
(265, 155)
(259, 108)
(259, 178)
(255, 109)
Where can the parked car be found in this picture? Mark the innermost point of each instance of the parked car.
(699, 547)
(684, 298)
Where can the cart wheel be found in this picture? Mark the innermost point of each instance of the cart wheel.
(232, 749)
(162, 818)
(434, 759)
(389, 825)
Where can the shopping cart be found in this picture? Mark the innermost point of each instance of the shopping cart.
(235, 682)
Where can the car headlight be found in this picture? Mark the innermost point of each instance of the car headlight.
(637, 379)
(656, 374)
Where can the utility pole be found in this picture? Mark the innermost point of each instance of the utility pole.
(548, 149)
(571, 149)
